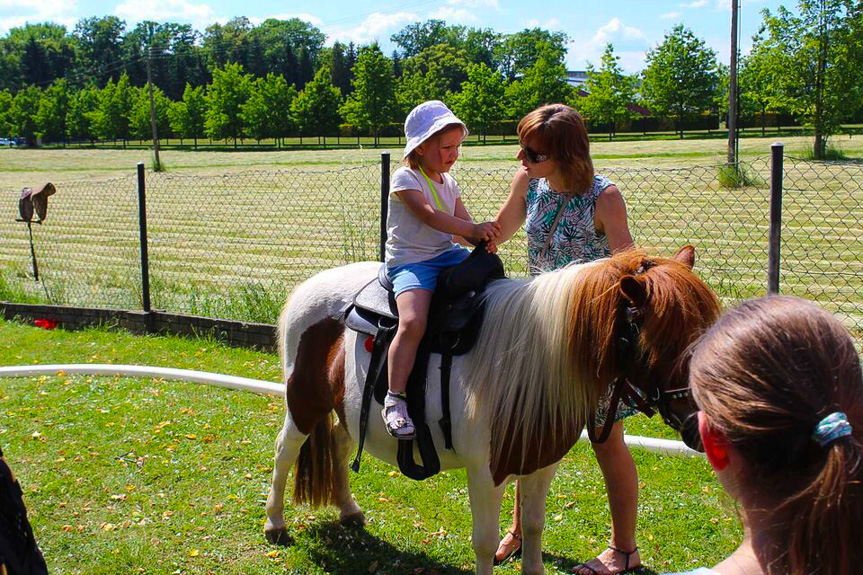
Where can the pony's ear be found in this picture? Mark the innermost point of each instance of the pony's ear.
(686, 256)
(633, 290)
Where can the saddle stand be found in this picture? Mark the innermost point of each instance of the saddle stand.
(455, 317)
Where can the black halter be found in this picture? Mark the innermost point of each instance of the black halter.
(651, 400)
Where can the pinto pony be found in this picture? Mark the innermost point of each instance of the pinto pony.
(547, 351)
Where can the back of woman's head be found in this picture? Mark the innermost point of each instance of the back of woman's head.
(765, 376)
(558, 131)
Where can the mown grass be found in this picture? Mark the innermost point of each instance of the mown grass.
(127, 475)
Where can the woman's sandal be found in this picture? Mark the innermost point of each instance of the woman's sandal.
(626, 568)
(513, 547)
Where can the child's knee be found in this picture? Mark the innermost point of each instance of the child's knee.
(413, 326)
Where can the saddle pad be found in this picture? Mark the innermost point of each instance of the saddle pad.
(374, 297)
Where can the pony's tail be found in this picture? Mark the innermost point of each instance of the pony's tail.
(314, 472)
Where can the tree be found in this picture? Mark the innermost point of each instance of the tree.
(140, 123)
(481, 102)
(100, 42)
(542, 83)
(610, 91)
(82, 106)
(25, 107)
(40, 53)
(416, 37)
(266, 114)
(53, 107)
(372, 104)
(187, 117)
(442, 65)
(6, 125)
(316, 107)
(110, 120)
(225, 97)
(680, 79)
(815, 62)
(340, 68)
(518, 52)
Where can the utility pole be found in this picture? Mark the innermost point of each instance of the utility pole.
(732, 89)
(150, 52)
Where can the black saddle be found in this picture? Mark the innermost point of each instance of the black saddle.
(455, 317)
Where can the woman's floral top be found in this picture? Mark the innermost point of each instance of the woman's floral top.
(575, 238)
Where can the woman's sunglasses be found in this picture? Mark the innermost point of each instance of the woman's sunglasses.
(533, 157)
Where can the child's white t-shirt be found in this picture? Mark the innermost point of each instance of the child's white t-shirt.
(409, 240)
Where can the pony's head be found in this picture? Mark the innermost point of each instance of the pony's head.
(660, 307)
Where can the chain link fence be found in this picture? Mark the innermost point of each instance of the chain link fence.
(234, 246)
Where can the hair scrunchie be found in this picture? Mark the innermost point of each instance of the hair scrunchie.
(831, 428)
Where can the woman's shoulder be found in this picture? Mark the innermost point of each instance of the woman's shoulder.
(601, 182)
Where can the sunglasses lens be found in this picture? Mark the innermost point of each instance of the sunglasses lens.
(532, 156)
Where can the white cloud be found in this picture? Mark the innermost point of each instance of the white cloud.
(21, 12)
(616, 29)
(670, 15)
(376, 26)
(198, 15)
(453, 15)
(629, 42)
(475, 3)
(695, 4)
(311, 19)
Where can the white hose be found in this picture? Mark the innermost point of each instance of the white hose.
(666, 446)
(218, 379)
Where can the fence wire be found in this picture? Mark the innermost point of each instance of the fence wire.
(234, 246)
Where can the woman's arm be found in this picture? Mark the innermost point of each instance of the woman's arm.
(610, 219)
(419, 206)
(514, 210)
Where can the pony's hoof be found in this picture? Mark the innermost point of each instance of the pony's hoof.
(353, 520)
(279, 537)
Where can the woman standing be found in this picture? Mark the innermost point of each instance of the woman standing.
(571, 215)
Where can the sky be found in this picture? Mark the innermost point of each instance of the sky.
(633, 26)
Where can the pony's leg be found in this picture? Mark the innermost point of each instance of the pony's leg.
(288, 445)
(533, 491)
(485, 500)
(349, 512)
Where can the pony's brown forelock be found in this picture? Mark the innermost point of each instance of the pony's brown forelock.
(680, 306)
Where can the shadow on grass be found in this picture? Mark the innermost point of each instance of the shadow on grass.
(567, 564)
(343, 550)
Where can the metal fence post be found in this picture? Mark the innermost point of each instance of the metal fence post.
(145, 260)
(385, 194)
(776, 176)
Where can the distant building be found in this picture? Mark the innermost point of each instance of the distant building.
(576, 78)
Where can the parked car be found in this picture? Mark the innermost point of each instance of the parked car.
(6, 142)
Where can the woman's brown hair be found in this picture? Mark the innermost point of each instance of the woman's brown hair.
(559, 131)
(765, 375)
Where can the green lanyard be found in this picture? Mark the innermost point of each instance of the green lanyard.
(431, 187)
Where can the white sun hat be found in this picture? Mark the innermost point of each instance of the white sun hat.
(426, 120)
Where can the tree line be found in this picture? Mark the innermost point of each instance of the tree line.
(278, 79)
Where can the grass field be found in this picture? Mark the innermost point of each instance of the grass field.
(126, 475)
(230, 234)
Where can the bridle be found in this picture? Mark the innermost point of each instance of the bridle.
(649, 401)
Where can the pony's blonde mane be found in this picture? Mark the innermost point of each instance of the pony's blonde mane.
(547, 351)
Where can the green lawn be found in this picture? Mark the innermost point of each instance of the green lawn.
(127, 475)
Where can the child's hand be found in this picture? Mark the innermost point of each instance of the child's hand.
(487, 231)
(491, 247)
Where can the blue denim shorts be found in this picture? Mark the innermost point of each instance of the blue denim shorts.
(423, 275)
